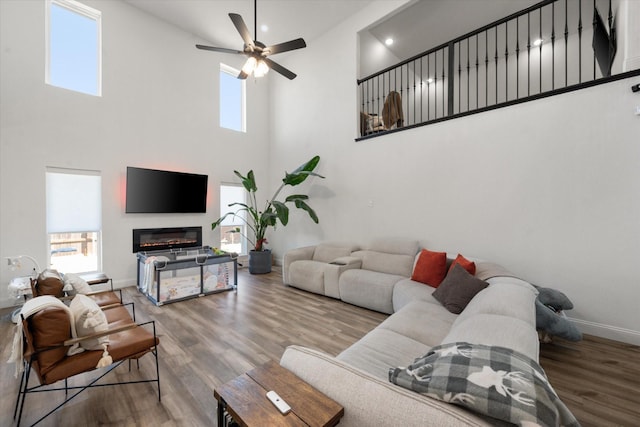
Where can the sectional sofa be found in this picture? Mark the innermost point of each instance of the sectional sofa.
(379, 278)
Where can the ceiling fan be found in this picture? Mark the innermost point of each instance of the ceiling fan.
(256, 51)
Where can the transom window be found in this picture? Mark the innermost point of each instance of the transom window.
(74, 58)
(232, 99)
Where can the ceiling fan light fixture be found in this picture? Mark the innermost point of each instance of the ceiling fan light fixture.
(261, 69)
(250, 65)
(257, 63)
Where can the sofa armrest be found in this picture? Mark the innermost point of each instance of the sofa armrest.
(366, 398)
(295, 255)
(334, 269)
(351, 261)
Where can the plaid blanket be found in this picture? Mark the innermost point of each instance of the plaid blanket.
(494, 381)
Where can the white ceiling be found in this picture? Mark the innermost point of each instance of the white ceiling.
(420, 25)
(287, 19)
(429, 23)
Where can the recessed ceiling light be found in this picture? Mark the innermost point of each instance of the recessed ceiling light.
(538, 42)
(388, 41)
(264, 28)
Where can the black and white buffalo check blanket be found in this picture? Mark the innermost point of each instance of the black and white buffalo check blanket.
(493, 381)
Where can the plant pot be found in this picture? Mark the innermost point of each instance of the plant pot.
(260, 262)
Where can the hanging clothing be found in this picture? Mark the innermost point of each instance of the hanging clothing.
(392, 115)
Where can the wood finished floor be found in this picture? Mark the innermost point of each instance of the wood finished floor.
(207, 341)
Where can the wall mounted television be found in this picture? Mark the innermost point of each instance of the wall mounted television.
(159, 191)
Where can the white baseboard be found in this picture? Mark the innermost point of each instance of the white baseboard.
(607, 331)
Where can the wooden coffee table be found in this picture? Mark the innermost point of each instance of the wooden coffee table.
(244, 399)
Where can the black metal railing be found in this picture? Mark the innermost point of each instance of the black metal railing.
(549, 48)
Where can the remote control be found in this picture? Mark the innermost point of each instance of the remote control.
(282, 406)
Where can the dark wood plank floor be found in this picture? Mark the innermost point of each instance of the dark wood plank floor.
(207, 341)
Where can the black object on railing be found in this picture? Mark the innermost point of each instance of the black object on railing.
(433, 82)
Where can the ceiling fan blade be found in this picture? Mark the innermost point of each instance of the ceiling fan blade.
(218, 49)
(279, 69)
(242, 75)
(286, 46)
(242, 28)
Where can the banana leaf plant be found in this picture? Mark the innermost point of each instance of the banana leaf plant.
(274, 211)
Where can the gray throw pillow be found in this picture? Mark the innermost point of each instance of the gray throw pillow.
(457, 289)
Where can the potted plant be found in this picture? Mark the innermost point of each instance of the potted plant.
(274, 211)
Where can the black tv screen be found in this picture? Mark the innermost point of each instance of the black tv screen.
(158, 191)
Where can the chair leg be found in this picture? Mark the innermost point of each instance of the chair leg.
(155, 353)
(24, 391)
(24, 373)
(66, 387)
(80, 390)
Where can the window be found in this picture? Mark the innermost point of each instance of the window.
(74, 220)
(74, 47)
(232, 99)
(231, 240)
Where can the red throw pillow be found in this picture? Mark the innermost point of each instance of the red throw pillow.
(430, 268)
(470, 266)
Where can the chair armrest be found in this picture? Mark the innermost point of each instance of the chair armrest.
(295, 255)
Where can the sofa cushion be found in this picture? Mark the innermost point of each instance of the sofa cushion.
(430, 268)
(368, 289)
(327, 252)
(395, 246)
(307, 275)
(507, 299)
(407, 290)
(458, 289)
(380, 349)
(383, 262)
(421, 321)
(496, 330)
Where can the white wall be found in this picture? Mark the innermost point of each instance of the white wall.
(548, 189)
(159, 109)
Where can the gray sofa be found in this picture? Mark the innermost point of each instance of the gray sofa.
(503, 314)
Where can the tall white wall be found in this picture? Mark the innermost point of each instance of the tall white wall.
(548, 188)
(159, 109)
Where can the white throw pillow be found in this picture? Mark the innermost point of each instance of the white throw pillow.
(89, 319)
(79, 285)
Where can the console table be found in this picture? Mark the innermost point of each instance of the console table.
(244, 401)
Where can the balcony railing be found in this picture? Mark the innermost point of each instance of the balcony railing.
(552, 47)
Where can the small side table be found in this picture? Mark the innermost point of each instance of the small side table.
(96, 278)
(19, 287)
(244, 400)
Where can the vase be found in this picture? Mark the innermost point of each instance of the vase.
(260, 261)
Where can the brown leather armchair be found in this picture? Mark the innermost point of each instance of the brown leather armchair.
(47, 338)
